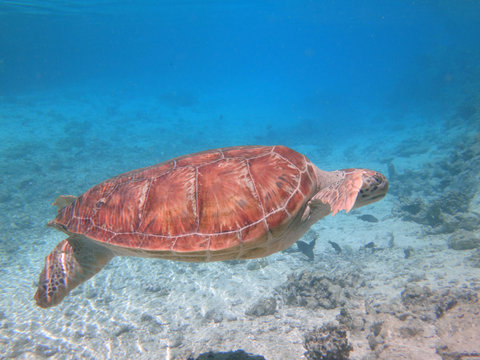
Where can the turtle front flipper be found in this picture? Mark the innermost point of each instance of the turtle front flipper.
(73, 261)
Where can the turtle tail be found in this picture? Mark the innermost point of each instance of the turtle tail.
(73, 261)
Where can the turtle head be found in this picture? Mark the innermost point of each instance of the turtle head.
(349, 189)
(374, 187)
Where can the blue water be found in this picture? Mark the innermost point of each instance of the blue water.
(91, 89)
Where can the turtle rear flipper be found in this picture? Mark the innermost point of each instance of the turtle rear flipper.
(64, 200)
(73, 261)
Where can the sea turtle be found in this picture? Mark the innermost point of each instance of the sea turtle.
(241, 202)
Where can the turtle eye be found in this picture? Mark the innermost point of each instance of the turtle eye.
(379, 179)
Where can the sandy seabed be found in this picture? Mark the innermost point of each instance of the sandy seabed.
(404, 285)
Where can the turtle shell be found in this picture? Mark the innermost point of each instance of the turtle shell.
(217, 204)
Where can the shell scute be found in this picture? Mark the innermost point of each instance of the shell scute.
(144, 173)
(276, 219)
(97, 232)
(226, 199)
(295, 202)
(246, 152)
(152, 171)
(157, 243)
(199, 158)
(253, 232)
(292, 156)
(85, 205)
(192, 242)
(170, 205)
(224, 241)
(79, 224)
(306, 183)
(121, 210)
(276, 180)
(128, 240)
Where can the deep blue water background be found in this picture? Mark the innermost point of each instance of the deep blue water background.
(325, 61)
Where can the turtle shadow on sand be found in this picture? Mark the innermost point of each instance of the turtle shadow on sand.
(229, 355)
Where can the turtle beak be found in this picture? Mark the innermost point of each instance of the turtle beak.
(374, 188)
(377, 183)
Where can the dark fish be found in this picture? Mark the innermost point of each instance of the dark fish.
(407, 252)
(372, 247)
(307, 249)
(337, 247)
(368, 217)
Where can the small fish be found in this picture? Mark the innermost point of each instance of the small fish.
(307, 249)
(373, 247)
(370, 245)
(368, 217)
(337, 247)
